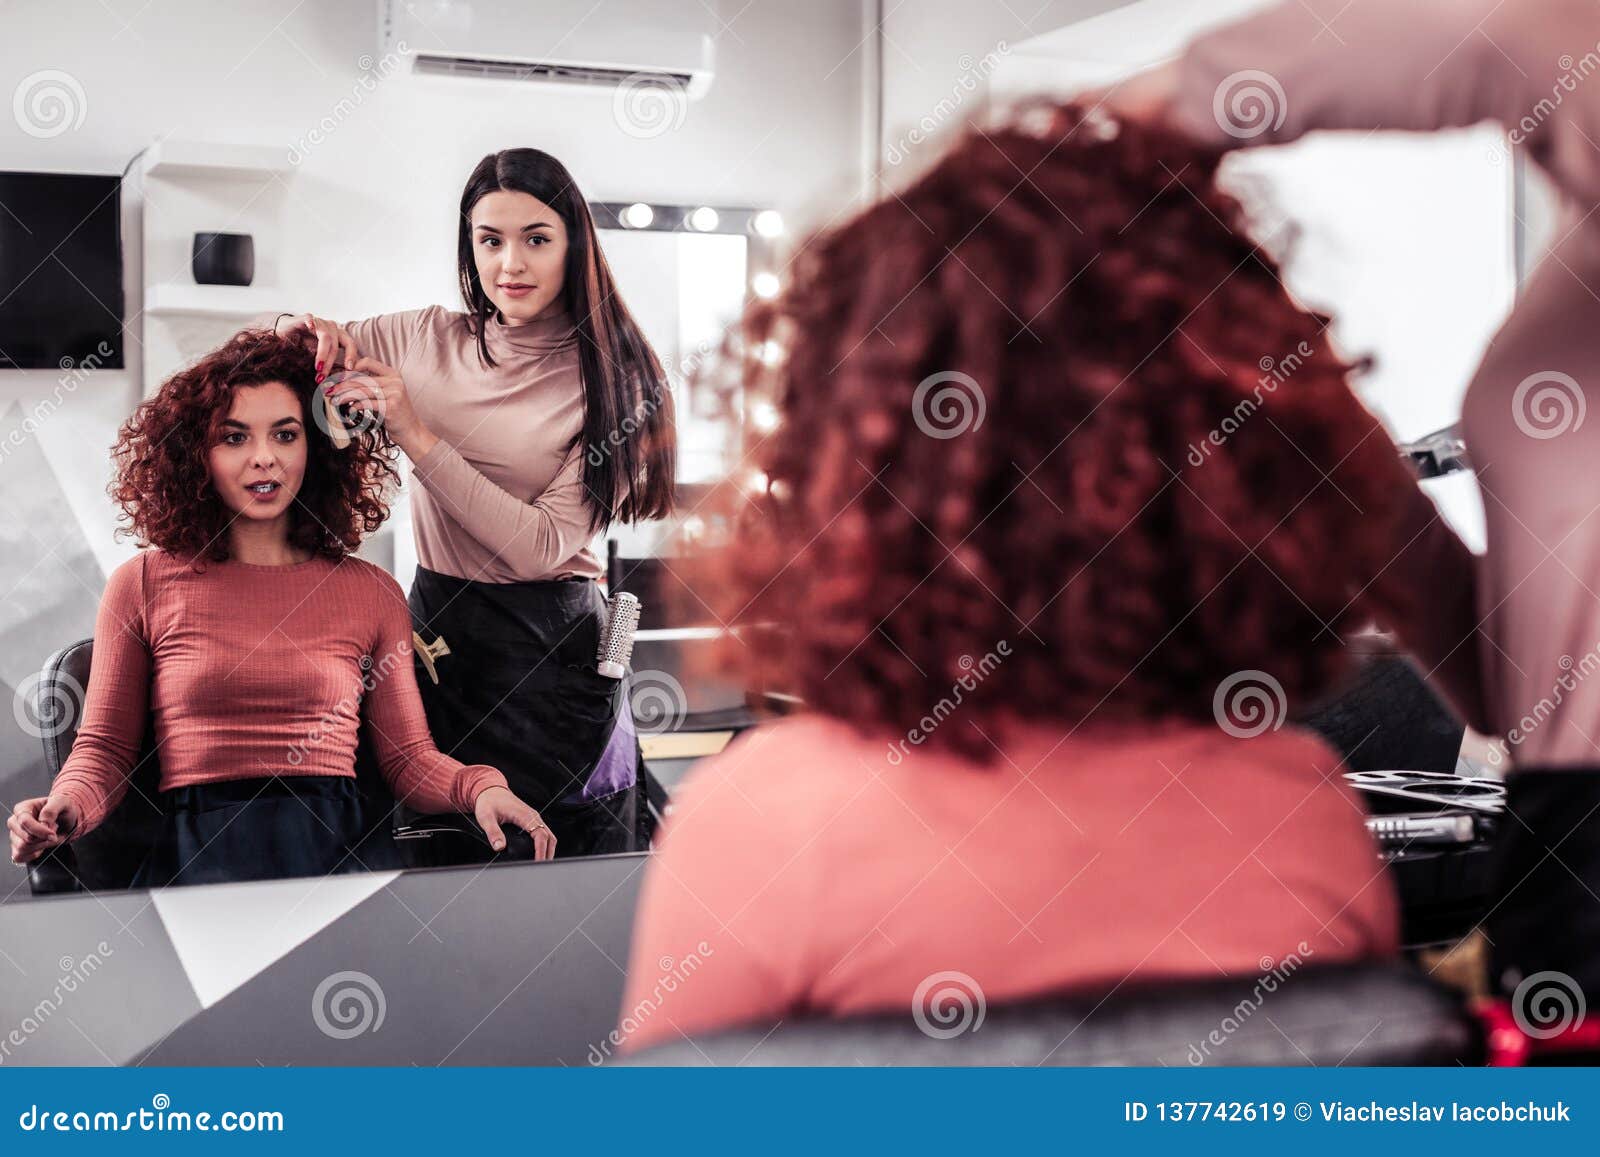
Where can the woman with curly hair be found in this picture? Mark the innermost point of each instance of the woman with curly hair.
(260, 646)
(1046, 554)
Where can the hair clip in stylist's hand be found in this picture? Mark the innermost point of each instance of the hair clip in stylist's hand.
(352, 403)
(370, 394)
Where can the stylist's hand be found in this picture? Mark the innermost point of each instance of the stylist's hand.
(327, 339)
(1145, 97)
(379, 389)
(498, 805)
(37, 825)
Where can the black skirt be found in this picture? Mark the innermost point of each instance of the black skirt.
(262, 828)
(519, 691)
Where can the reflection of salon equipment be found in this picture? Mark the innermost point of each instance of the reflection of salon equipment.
(108, 857)
(1437, 833)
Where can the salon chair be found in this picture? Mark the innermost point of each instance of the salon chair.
(108, 857)
(1385, 1013)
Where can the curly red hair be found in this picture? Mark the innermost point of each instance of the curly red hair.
(1052, 396)
(163, 482)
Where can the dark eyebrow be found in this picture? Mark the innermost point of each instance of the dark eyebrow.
(235, 424)
(525, 228)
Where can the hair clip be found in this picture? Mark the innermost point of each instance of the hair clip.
(428, 652)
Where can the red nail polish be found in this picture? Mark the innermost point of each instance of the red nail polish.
(319, 366)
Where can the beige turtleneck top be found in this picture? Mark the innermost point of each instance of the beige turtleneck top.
(501, 497)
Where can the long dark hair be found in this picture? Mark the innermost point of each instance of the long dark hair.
(628, 427)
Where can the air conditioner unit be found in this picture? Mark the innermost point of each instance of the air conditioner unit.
(666, 43)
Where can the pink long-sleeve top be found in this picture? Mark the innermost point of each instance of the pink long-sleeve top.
(500, 498)
(252, 670)
(805, 872)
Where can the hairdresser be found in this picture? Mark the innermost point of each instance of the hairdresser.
(1366, 65)
(533, 420)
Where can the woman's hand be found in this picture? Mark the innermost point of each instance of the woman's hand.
(327, 339)
(1145, 97)
(35, 826)
(379, 389)
(498, 805)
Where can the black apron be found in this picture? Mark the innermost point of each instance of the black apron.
(518, 691)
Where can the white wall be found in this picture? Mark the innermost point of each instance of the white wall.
(366, 222)
(937, 60)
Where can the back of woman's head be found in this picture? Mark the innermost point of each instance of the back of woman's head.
(163, 483)
(1052, 431)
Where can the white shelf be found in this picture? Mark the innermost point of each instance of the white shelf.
(221, 301)
(175, 158)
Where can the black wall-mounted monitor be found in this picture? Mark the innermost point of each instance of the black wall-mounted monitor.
(61, 303)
